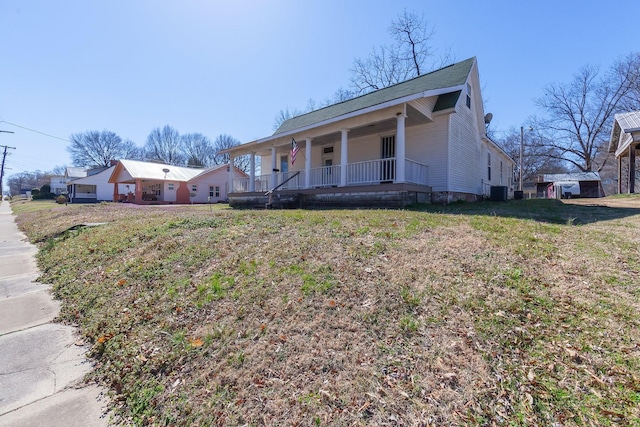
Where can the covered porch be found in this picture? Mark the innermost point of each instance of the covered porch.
(366, 154)
(366, 173)
(149, 191)
(82, 193)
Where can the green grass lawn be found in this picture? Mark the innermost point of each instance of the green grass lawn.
(517, 314)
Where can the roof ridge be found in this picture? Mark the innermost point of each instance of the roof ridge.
(385, 90)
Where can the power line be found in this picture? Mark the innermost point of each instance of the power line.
(36, 131)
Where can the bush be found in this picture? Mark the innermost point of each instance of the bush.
(61, 199)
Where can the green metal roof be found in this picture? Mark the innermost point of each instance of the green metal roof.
(450, 76)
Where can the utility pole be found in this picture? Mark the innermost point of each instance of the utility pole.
(4, 156)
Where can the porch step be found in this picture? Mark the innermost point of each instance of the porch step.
(284, 201)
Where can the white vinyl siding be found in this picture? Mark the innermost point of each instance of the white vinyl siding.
(427, 144)
(465, 154)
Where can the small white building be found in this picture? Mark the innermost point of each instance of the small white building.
(94, 187)
(58, 184)
(569, 185)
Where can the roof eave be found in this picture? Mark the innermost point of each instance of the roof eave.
(492, 142)
(232, 149)
(367, 110)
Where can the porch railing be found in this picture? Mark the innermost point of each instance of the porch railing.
(293, 180)
(416, 173)
(262, 184)
(326, 176)
(358, 173)
(372, 171)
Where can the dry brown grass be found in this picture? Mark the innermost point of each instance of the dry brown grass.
(486, 314)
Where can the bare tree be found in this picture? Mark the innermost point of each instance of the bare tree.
(577, 119)
(95, 149)
(27, 181)
(164, 145)
(224, 142)
(535, 160)
(284, 115)
(405, 58)
(629, 67)
(58, 170)
(340, 95)
(197, 150)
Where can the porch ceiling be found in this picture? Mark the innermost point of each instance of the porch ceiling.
(414, 117)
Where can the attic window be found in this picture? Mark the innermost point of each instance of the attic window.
(468, 95)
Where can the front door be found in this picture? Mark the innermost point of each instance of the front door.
(388, 154)
(284, 170)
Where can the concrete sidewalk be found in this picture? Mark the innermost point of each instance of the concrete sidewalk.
(41, 367)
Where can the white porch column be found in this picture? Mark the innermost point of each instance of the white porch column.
(307, 164)
(252, 173)
(273, 167)
(400, 148)
(343, 157)
(231, 158)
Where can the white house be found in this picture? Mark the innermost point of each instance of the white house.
(94, 187)
(422, 140)
(58, 184)
(72, 172)
(157, 183)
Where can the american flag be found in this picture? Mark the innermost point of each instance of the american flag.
(294, 150)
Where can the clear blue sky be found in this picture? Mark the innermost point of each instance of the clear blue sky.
(217, 67)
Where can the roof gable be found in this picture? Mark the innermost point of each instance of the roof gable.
(96, 178)
(147, 170)
(625, 130)
(574, 176)
(75, 172)
(158, 171)
(447, 100)
(451, 76)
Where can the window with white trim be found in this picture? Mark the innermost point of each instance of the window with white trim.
(468, 95)
(170, 186)
(214, 191)
(489, 166)
(194, 188)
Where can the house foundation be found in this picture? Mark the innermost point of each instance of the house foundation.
(380, 196)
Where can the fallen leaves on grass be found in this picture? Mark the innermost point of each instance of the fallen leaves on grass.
(196, 342)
